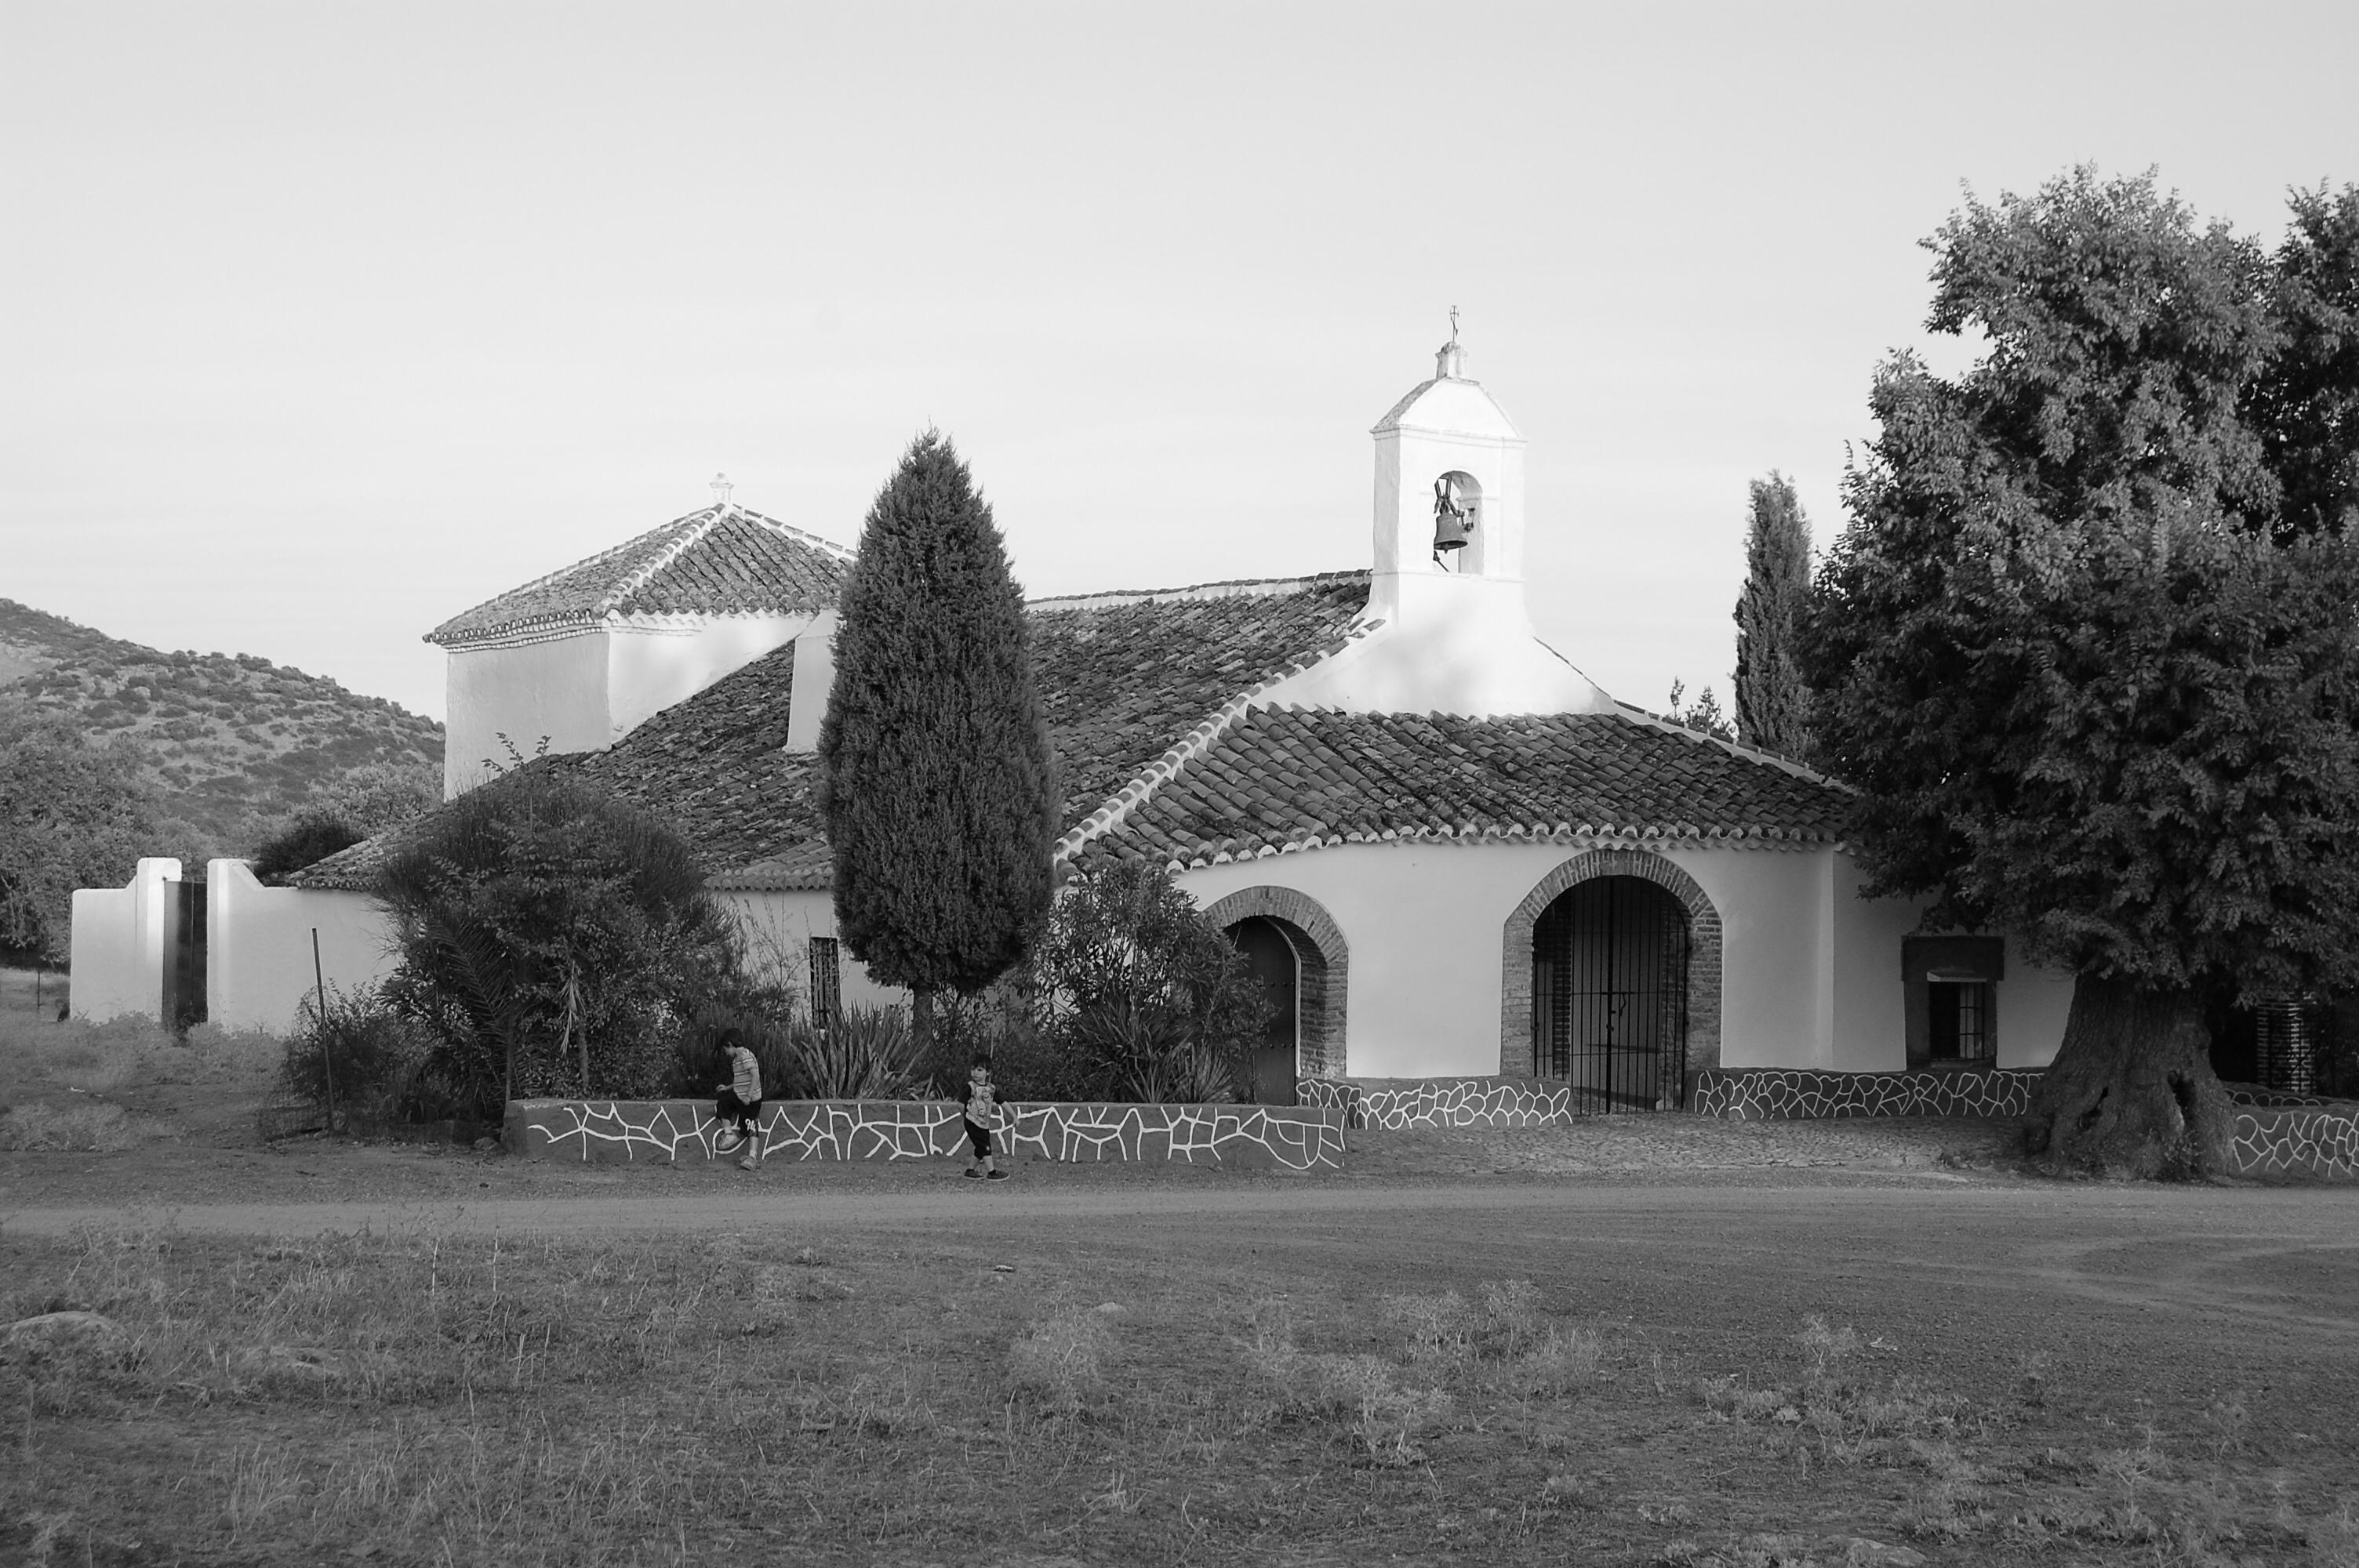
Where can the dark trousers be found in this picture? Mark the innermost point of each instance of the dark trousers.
(978, 1135)
(729, 1107)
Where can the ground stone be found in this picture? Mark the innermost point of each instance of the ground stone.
(50, 1329)
(298, 1361)
(1858, 1551)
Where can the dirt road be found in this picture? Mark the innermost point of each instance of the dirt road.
(2285, 1259)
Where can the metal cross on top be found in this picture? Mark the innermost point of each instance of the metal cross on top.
(720, 489)
(1454, 323)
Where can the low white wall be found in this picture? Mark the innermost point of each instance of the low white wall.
(779, 928)
(259, 946)
(116, 949)
(1810, 972)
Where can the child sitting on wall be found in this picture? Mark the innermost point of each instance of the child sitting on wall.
(739, 1101)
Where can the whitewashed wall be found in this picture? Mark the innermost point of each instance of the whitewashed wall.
(1811, 973)
(779, 928)
(652, 664)
(2030, 1005)
(116, 948)
(586, 688)
(554, 687)
(259, 946)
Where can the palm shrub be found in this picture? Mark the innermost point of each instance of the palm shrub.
(865, 1052)
(1147, 998)
(553, 939)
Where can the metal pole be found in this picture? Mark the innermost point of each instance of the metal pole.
(327, 1059)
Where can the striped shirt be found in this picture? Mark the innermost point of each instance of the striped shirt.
(746, 1083)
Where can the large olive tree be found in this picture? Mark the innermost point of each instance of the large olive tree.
(2097, 687)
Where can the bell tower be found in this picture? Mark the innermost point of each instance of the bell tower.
(1450, 497)
(1448, 630)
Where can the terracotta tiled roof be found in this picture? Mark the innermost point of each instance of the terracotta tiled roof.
(1293, 779)
(1124, 679)
(723, 560)
(711, 765)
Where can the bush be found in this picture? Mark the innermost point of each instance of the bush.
(312, 838)
(701, 1061)
(554, 940)
(1144, 997)
(997, 1024)
(379, 1060)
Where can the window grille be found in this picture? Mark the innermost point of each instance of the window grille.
(826, 981)
(1960, 1018)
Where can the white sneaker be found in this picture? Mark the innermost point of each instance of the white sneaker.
(726, 1140)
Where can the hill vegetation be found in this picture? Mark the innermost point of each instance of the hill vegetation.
(231, 746)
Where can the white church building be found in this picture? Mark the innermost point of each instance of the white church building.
(1480, 885)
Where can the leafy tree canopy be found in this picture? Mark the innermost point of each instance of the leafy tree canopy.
(2087, 699)
(2307, 404)
(71, 816)
(556, 940)
(937, 780)
(1133, 983)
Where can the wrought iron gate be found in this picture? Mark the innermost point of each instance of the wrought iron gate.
(1610, 995)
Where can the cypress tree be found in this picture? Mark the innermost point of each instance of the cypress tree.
(1772, 702)
(937, 779)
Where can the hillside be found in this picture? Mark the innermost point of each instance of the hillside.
(236, 743)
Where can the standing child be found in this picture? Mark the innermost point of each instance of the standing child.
(740, 1101)
(981, 1110)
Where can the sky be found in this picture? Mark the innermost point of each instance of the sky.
(322, 322)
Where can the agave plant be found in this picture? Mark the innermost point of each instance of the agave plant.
(865, 1053)
(1149, 1054)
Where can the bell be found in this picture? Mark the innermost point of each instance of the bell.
(1453, 523)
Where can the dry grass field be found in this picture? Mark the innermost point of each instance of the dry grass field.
(67, 1087)
(1221, 1391)
(1816, 1345)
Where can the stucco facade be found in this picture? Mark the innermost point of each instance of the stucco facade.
(1789, 968)
(584, 689)
(258, 969)
(1388, 766)
(778, 927)
(119, 941)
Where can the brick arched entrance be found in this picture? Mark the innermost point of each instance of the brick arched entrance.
(1703, 953)
(1326, 964)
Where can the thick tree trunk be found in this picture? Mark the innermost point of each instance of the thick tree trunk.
(2132, 1093)
(921, 1022)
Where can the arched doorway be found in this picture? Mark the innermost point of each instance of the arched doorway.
(1610, 958)
(1277, 1060)
(1294, 943)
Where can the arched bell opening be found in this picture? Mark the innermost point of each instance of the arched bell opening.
(1610, 959)
(1460, 539)
(1297, 954)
